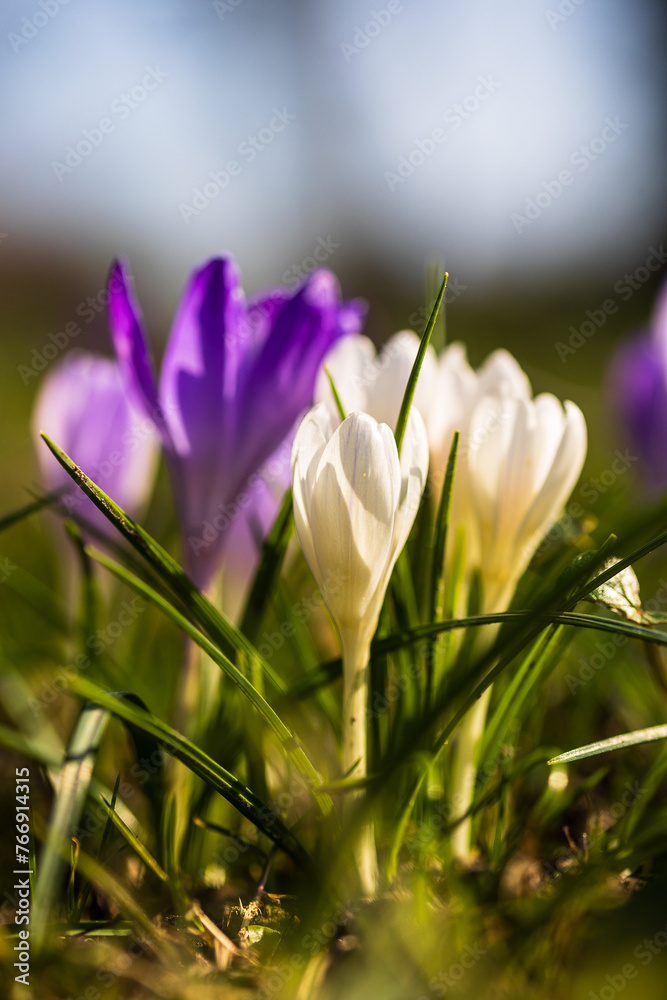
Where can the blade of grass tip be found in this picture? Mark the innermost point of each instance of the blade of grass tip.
(213, 622)
(334, 392)
(408, 396)
(7, 520)
(133, 841)
(437, 605)
(287, 739)
(112, 887)
(615, 569)
(434, 269)
(67, 809)
(245, 845)
(182, 749)
(170, 854)
(77, 910)
(75, 847)
(401, 823)
(614, 743)
(88, 587)
(273, 553)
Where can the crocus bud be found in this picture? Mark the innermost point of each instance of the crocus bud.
(525, 457)
(354, 505)
(82, 404)
(372, 382)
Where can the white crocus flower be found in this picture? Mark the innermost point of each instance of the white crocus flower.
(354, 504)
(518, 460)
(524, 458)
(528, 458)
(372, 382)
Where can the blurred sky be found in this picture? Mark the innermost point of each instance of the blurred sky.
(356, 87)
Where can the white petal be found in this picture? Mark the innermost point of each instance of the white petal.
(551, 423)
(454, 394)
(351, 362)
(563, 474)
(352, 512)
(393, 366)
(414, 470)
(501, 372)
(309, 443)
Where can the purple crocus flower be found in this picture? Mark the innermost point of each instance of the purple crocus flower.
(235, 377)
(83, 405)
(638, 389)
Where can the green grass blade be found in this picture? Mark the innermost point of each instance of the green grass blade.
(202, 610)
(408, 396)
(326, 673)
(437, 589)
(614, 743)
(245, 801)
(287, 739)
(273, 553)
(7, 520)
(133, 841)
(334, 393)
(70, 798)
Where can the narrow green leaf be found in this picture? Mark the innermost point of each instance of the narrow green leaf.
(614, 743)
(287, 739)
(245, 801)
(74, 782)
(215, 624)
(75, 913)
(7, 520)
(408, 396)
(437, 589)
(142, 852)
(273, 553)
(334, 393)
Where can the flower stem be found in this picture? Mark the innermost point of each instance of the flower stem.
(463, 776)
(356, 652)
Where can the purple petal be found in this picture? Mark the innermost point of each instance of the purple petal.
(129, 342)
(84, 407)
(638, 391)
(246, 533)
(279, 384)
(197, 387)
